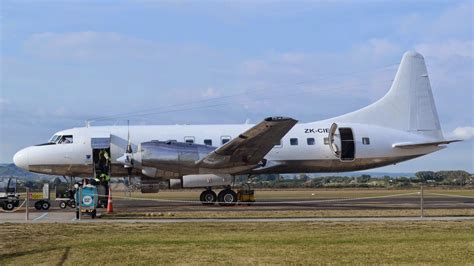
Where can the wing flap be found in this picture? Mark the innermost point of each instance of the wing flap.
(250, 147)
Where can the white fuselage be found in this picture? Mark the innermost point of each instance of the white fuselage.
(75, 159)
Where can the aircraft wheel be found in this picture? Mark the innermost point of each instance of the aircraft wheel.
(208, 197)
(62, 205)
(227, 197)
(45, 205)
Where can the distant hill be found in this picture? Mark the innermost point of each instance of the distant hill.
(10, 170)
(372, 174)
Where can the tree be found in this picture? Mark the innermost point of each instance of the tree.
(453, 177)
(364, 179)
(424, 176)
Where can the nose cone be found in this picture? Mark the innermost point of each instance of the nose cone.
(21, 159)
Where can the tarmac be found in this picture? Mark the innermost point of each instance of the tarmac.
(57, 215)
(369, 203)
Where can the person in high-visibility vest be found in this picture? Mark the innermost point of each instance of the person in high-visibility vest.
(105, 179)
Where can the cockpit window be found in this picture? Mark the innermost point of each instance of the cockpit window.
(58, 139)
(54, 139)
(66, 139)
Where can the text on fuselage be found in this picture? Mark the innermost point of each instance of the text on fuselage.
(316, 130)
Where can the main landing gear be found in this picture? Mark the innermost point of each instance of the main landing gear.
(208, 197)
(226, 197)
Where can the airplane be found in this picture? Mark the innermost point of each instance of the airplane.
(402, 125)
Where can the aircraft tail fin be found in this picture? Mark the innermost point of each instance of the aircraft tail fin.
(408, 106)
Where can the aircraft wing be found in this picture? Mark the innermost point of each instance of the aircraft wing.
(410, 145)
(250, 147)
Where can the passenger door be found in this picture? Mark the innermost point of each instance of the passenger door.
(346, 150)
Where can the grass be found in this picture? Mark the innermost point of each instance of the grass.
(448, 243)
(289, 213)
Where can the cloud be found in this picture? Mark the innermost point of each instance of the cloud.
(383, 47)
(447, 49)
(454, 21)
(94, 46)
(360, 70)
(85, 45)
(254, 66)
(4, 101)
(210, 93)
(464, 133)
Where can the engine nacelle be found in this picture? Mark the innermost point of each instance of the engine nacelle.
(172, 156)
(208, 180)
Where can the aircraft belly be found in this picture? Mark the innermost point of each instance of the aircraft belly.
(330, 165)
(290, 166)
(77, 170)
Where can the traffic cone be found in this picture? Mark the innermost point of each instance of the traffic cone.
(110, 208)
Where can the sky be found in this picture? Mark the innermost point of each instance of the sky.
(219, 62)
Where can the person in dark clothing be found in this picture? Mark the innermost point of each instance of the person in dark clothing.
(104, 160)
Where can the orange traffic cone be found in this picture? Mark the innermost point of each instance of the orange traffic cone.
(110, 208)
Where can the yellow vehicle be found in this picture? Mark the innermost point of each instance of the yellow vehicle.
(42, 198)
(246, 195)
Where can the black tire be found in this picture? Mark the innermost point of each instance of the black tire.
(38, 205)
(94, 214)
(208, 197)
(227, 197)
(45, 205)
(9, 206)
(62, 205)
(72, 204)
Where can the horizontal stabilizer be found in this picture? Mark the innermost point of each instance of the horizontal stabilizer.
(411, 145)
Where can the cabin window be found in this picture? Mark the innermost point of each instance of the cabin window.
(208, 142)
(293, 141)
(366, 141)
(225, 140)
(326, 141)
(310, 141)
(66, 139)
(189, 140)
(278, 144)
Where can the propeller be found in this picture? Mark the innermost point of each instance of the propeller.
(127, 158)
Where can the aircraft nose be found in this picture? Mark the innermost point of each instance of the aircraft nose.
(21, 159)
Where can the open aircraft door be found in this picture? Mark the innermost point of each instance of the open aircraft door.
(345, 151)
(100, 144)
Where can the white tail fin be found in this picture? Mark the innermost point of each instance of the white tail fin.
(408, 106)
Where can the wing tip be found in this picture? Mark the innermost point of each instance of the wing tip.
(279, 119)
